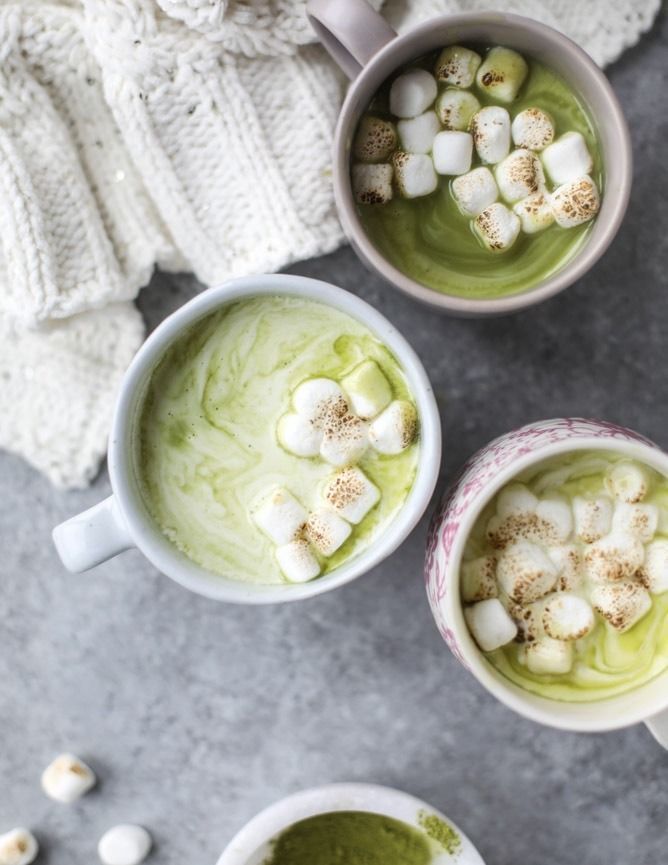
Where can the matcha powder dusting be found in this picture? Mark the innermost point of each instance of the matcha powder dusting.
(440, 832)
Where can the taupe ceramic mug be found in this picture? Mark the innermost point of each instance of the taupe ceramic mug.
(368, 50)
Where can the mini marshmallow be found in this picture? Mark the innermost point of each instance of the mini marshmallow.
(124, 845)
(641, 521)
(315, 397)
(372, 184)
(534, 212)
(375, 140)
(457, 65)
(67, 778)
(351, 494)
(297, 562)
(412, 93)
(475, 191)
(299, 435)
(326, 531)
(575, 202)
(518, 175)
(525, 572)
(417, 133)
(654, 572)
(491, 133)
(497, 227)
(452, 152)
(533, 129)
(615, 557)
(455, 108)
(414, 173)
(567, 158)
(368, 389)
(18, 847)
(621, 604)
(344, 440)
(478, 582)
(515, 499)
(555, 511)
(549, 657)
(490, 625)
(566, 616)
(502, 73)
(593, 517)
(528, 621)
(280, 516)
(567, 560)
(627, 482)
(395, 428)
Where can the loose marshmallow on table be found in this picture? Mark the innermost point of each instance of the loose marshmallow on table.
(641, 521)
(372, 184)
(575, 202)
(475, 191)
(368, 389)
(567, 158)
(18, 847)
(525, 572)
(491, 133)
(412, 93)
(593, 517)
(417, 133)
(455, 108)
(67, 778)
(299, 435)
(280, 516)
(617, 556)
(414, 173)
(533, 129)
(566, 616)
(490, 624)
(497, 227)
(518, 175)
(351, 494)
(344, 439)
(375, 140)
(326, 531)
(478, 581)
(452, 152)
(654, 572)
(124, 845)
(457, 65)
(627, 482)
(395, 428)
(568, 561)
(622, 604)
(535, 212)
(297, 562)
(547, 656)
(502, 73)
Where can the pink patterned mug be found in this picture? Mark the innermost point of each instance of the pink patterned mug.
(479, 480)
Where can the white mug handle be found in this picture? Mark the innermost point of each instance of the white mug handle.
(658, 727)
(92, 537)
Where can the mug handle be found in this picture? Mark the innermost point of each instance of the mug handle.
(350, 30)
(658, 727)
(92, 537)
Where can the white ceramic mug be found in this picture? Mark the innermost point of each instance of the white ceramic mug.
(122, 521)
(480, 479)
(251, 846)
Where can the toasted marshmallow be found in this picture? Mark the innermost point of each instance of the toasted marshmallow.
(297, 562)
(18, 847)
(351, 494)
(475, 191)
(491, 133)
(412, 93)
(654, 573)
(567, 158)
(372, 184)
(414, 173)
(367, 389)
(527, 617)
(478, 582)
(375, 140)
(299, 435)
(593, 517)
(497, 227)
(280, 516)
(567, 560)
(556, 512)
(452, 152)
(455, 108)
(490, 625)
(515, 499)
(622, 604)
(566, 616)
(457, 65)
(67, 778)
(641, 521)
(502, 73)
(533, 129)
(525, 572)
(575, 202)
(534, 212)
(395, 428)
(124, 845)
(627, 482)
(549, 657)
(615, 557)
(316, 397)
(326, 531)
(518, 175)
(344, 439)
(417, 133)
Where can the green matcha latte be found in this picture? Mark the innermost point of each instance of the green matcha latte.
(214, 474)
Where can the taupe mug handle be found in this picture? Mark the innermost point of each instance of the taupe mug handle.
(350, 30)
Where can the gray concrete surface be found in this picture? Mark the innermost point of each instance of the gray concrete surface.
(196, 715)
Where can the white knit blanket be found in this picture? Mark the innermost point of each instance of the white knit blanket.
(191, 134)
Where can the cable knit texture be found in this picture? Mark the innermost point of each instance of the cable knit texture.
(191, 134)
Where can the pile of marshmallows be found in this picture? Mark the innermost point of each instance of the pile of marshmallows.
(337, 423)
(435, 139)
(66, 779)
(556, 562)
